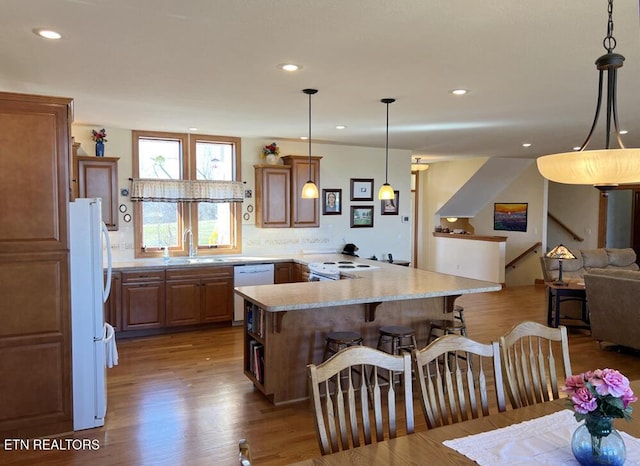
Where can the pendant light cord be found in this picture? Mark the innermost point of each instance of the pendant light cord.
(309, 137)
(386, 152)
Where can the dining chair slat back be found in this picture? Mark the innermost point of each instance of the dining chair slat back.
(529, 359)
(456, 375)
(349, 393)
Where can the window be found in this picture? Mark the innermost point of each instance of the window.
(171, 156)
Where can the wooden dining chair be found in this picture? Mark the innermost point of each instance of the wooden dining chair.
(456, 375)
(529, 362)
(351, 399)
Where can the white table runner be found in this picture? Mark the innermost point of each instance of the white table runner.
(544, 440)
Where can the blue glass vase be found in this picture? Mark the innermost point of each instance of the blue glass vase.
(99, 149)
(597, 442)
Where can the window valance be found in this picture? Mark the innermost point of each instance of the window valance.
(151, 190)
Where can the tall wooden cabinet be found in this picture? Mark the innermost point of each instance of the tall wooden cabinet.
(35, 329)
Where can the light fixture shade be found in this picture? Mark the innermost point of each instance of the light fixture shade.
(386, 192)
(418, 167)
(452, 219)
(309, 190)
(560, 252)
(607, 167)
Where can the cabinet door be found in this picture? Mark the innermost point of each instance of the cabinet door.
(284, 272)
(217, 300)
(98, 177)
(113, 305)
(143, 305)
(305, 213)
(273, 205)
(183, 302)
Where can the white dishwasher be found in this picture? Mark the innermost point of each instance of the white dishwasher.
(247, 275)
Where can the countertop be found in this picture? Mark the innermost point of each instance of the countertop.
(388, 282)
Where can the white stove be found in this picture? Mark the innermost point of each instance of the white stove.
(330, 270)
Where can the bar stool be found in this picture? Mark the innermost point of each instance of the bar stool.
(457, 325)
(337, 341)
(401, 339)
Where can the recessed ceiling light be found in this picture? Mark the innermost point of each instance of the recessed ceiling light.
(526, 144)
(459, 91)
(193, 129)
(623, 131)
(47, 33)
(289, 67)
(340, 126)
(304, 137)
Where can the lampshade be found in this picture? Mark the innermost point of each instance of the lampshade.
(605, 168)
(560, 252)
(418, 166)
(310, 190)
(386, 190)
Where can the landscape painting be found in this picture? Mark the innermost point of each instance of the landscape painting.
(510, 216)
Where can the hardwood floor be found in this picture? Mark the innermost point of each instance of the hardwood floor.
(182, 399)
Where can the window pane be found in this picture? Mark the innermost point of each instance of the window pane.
(214, 224)
(160, 224)
(159, 158)
(214, 161)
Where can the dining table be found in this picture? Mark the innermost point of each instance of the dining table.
(427, 447)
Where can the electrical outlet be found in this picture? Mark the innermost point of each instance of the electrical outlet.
(404, 219)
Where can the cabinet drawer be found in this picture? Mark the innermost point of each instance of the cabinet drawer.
(139, 276)
(199, 272)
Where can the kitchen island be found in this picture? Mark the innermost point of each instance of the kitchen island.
(286, 324)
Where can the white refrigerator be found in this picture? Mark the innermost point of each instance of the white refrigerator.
(93, 339)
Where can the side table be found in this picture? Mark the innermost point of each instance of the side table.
(557, 294)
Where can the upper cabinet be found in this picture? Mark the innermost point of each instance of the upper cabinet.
(278, 193)
(305, 213)
(273, 188)
(98, 177)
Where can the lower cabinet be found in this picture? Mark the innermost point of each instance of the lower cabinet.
(143, 299)
(284, 272)
(113, 305)
(199, 295)
(300, 273)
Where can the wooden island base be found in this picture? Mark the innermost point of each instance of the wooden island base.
(287, 341)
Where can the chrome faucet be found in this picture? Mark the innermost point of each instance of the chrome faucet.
(192, 250)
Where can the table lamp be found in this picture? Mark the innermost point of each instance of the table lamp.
(561, 253)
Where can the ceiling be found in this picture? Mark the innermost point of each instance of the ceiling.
(169, 65)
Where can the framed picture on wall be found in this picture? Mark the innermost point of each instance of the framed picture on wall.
(510, 216)
(331, 201)
(361, 189)
(390, 206)
(361, 216)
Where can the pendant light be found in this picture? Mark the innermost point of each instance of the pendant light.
(309, 190)
(386, 190)
(605, 168)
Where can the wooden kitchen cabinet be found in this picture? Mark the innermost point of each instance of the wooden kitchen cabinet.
(300, 273)
(284, 272)
(273, 195)
(199, 295)
(113, 305)
(35, 334)
(305, 213)
(143, 299)
(98, 177)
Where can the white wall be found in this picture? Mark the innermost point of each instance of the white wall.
(338, 165)
(444, 178)
(577, 207)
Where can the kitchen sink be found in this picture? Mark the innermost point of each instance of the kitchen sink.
(197, 260)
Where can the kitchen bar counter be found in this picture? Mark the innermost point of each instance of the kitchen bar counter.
(388, 282)
(287, 324)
